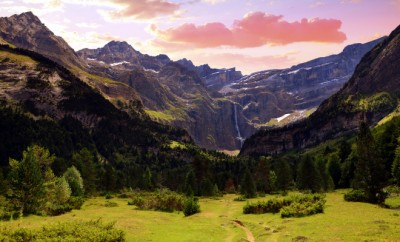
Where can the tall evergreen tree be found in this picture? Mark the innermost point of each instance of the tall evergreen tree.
(370, 170)
(190, 184)
(334, 168)
(147, 179)
(26, 182)
(84, 161)
(347, 169)
(248, 187)
(283, 175)
(344, 150)
(396, 166)
(308, 176)
(327, 183)
(262, 175)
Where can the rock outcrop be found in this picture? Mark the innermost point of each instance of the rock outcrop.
(370, 94)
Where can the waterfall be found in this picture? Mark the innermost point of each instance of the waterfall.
(239, 136)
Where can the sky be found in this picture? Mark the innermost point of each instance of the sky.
(251, 35)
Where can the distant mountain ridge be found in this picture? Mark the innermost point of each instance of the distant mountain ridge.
(371, 94)
(184, 95)
(270, 94)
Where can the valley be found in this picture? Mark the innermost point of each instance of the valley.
(162, 120)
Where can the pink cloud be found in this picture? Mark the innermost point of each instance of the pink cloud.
(254, 30)
(143, 9)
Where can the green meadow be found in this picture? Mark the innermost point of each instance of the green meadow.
(221, 219)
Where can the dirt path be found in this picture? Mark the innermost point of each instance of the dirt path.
(249, 234)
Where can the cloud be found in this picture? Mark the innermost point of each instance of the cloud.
(254, 30)
(87, 25)
(213, 1)
(140, 9)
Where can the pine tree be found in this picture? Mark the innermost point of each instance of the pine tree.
(262, 175)
(84, 162)
(308, 176)
(396, 166)
(283, 175)
(190, 184)
(147, 179)
(327, 183)
(370, 170)
(247, 187)
(26, 183)
(344, 150)
(334, 169)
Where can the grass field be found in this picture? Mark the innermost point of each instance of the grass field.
(342, 221)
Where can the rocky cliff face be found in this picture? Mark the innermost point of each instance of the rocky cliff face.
(174, 94)
(213, 78)
(270, 94)
(371, 94)
(28, 32)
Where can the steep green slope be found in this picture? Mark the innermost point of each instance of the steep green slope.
(44, 103)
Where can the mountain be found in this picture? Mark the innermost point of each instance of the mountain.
(44, 103)
(270, 96)
(172, 93)
(28, 32)
(213, 78)
(218, 107)
(370, 95)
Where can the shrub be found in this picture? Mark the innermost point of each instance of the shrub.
(270, 206)
(68, 231)
(297, 209)
(356, 196)
(293, 206)
(55, 210)
(191, 206)
(76, 202)
(75, 182)
(111, 204)
(240, 199)
(108, 196)
(164, 200)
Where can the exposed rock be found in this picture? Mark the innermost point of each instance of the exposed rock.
(27, 31)
(370, 95)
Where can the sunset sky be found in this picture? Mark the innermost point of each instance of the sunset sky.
(251, 35)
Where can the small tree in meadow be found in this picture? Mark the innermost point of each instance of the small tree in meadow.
(75, 182)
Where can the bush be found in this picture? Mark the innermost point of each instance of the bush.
(68, 231)
(76, 202)
(191, 206)
(7, 210)
(240, 199)
(164, 200)
(111, 204)
(270, 206)
(108, 196)
(56, 210)
(293, 206)
(297, 209)
(356, 196)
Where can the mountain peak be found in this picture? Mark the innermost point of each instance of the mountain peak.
(26, 31)
(28, 15)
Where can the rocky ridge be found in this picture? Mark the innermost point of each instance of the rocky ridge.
(371, 94)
